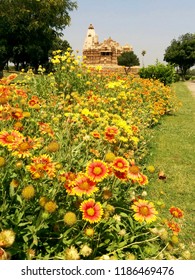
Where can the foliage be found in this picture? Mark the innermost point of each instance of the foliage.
(30, 29)
(181, 53)
(128, 59)
(72, 181)
(164, 73)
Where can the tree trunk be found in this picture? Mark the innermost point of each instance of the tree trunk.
(1, 71)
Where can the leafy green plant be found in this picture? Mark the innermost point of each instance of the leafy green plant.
(164, 73)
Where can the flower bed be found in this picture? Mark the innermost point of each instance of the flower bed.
(73, 183)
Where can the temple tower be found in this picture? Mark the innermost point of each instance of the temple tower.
(91, 39)
(104, 53)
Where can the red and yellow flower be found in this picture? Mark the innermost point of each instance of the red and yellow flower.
(176, 212)
(133, 171)
(84, 186)
(174, 227)
(11, 139)
(120, 164)
(25, 147)
(97, 170)
(110, 133)
(144, 211)
(46, 129)
(91, 211)
(40, 166)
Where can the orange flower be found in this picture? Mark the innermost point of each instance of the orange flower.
(95, 134)
(34, 101)
(84, 186)
(17, 114)
(41, 165)
(110, 133)
(23, 149)
(70, 181)
(174, 227)
(176, 212)
(134, 171)
(144, 211)
(120, 164)
(92, 211)
(97, 170)
(143, 179)
(46, 129)
(10, 139)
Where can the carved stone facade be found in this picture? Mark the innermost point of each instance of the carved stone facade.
(105, 53)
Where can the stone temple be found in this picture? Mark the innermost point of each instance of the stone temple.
(106, 53)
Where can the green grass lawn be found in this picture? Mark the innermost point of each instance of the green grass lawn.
(173, 151)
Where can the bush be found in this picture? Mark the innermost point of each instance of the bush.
(164, 73)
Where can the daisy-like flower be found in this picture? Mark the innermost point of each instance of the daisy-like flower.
(11, 139)
(69, 179)
(174, 227)
(34, 101)
(95, 134)
(144, 211)
(97, 170)
(24, 148)
(46, 129)
(17, 113)
(176, 212)
(92, 211)
(143, 180)
(40, 166)
(84, 186)
(110, 133)
(134, 171)
(120, 164)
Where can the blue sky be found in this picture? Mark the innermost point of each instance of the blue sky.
(145, 24)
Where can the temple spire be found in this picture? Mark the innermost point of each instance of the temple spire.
(91, 38)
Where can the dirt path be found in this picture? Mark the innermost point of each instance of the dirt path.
(191, 87)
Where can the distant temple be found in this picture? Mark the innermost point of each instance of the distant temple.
(105, 53)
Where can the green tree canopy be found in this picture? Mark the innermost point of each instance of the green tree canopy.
(29, 29)
(181, 53)
(128, 59)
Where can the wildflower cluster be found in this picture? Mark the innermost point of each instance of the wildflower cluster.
(72, 181)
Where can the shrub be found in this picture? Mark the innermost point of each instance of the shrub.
(164, 73)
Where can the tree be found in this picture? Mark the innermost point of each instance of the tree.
(30, 28)
(128, 59)
(143, 54)
(181, 53)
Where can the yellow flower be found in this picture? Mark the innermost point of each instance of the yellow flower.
(28, 192)
(109, 157)
(53, 147)
(151, 168)
(2, 161)
(71, 254)
(70, 218)
(89, 231)
(42, 201)
(85, 250)
(7, 238)
(50, 206)
(14, 183)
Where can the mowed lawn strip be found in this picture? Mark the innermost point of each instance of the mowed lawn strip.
(173, 152)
